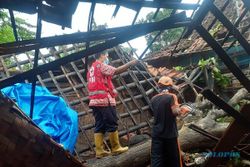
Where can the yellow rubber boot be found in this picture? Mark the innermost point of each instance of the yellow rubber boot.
(116, 148)
(99, 146)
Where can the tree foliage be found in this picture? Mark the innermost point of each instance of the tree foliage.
(24, 31)
(6, 32)
(128, 50)
(167, 37)
(220, 79)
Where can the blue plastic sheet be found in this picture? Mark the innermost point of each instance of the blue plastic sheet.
(51, 113)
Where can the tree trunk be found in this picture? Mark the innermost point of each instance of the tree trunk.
(190, 139)
(137, 156)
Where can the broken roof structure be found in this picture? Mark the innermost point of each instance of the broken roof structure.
(195, 47)
(62, 70)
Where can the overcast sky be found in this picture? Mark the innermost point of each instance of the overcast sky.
(102, 15)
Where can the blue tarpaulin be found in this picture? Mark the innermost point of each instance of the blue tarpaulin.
(51, 113)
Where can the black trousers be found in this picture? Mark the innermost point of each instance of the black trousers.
(105, 119)
(165, 153)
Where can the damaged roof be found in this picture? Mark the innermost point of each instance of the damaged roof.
(60, 12)
(194, 43)
(54, 11)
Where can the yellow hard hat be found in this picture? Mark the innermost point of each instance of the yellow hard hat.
(167, 81)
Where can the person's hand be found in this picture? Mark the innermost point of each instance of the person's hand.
(184, 111)
(134, 62)
(175, 87)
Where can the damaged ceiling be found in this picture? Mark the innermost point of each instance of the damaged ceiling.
(236, 11)
(65, 74)
(54, 11)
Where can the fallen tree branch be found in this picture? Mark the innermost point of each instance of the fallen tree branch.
(241, 94)
(190, 139)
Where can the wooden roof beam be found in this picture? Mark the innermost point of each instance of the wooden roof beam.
(132, 4)
(27, 45)
(121, 37)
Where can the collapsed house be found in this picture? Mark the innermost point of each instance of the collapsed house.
(62, 71)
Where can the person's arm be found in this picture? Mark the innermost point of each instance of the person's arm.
(177, 109)
(180, 111)
(107, 70)
(124, 67)
(175, 106)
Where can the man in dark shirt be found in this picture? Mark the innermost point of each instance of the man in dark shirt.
(165, 150)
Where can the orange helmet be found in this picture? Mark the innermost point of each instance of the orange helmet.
(167, 81)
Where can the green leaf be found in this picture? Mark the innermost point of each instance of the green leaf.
(179, 68)
(167, 37)
(6, 32)
(221, 80)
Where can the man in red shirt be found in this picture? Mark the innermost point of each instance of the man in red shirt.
(102, 100)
